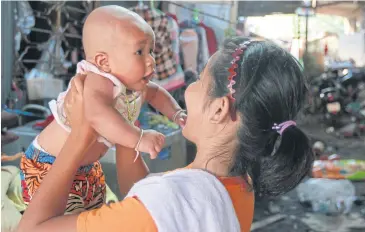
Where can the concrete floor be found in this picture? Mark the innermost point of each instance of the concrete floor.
(289, 205)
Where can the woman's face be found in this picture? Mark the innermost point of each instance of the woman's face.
(196, 97)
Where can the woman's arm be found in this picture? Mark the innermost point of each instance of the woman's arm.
(46, 209)
(45, 212)
(129, 172)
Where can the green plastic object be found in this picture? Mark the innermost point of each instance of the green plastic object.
(196, 15)
(358, 175)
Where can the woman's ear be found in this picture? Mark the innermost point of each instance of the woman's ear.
(101, 60)
(219, 110)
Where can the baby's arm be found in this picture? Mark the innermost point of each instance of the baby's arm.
(161, 100)
(107, 121)
(99, 110)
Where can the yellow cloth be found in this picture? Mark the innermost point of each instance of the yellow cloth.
(15, 193)
(11, 198)
(110, 196)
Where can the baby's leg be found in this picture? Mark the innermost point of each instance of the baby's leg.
(34, 165)
(88, 188)
(89, 184)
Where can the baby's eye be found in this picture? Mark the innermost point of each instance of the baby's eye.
(139, 52)
(151, 51)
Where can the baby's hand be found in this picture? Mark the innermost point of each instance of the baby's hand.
(181, 119)
(152, 142)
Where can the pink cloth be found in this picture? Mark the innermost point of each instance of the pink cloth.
(211, 38)
(190, 45)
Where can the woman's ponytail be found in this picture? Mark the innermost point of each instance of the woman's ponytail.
(282, 170)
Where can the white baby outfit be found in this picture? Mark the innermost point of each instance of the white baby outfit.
(119, 94)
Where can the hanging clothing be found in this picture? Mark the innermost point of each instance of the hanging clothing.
(173, 28)
(189, 45)
(164, 56)
(203, 52)
(211, 38)
(172, 16)
(177, 80)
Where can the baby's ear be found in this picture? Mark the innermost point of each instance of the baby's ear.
(102, 62)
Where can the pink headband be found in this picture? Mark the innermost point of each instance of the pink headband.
(283, 126)
(232, 74)
(232, 70)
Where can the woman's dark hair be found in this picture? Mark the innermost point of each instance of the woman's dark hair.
(271, 88)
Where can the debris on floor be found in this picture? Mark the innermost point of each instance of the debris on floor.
(273, 208)
(285, 198)
(340, 223)
(327, 196)
(267, 221)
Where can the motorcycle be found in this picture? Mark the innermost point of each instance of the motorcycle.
(331, 105)
(357, 125)
(341, 84)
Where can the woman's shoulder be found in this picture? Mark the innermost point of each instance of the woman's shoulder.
(162, 201)
(240, 193)
(188, 194)
(188, 171)
(127, 215)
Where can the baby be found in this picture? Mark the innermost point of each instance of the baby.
(119, 64)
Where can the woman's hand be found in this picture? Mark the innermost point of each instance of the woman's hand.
(74, 109)
(46, 209)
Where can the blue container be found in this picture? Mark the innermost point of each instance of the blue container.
(165, 153)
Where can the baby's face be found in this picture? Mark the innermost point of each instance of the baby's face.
(131, 58)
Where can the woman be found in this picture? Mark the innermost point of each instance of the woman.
(240, 118)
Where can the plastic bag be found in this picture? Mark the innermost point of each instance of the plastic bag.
(25, 21)
(327, 196)
(52, 62)
(24, 18)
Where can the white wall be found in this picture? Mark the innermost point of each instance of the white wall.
(352, 46)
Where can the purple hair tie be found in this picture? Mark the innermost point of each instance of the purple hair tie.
(282, 126)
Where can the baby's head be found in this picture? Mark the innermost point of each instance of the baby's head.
(119, 41)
